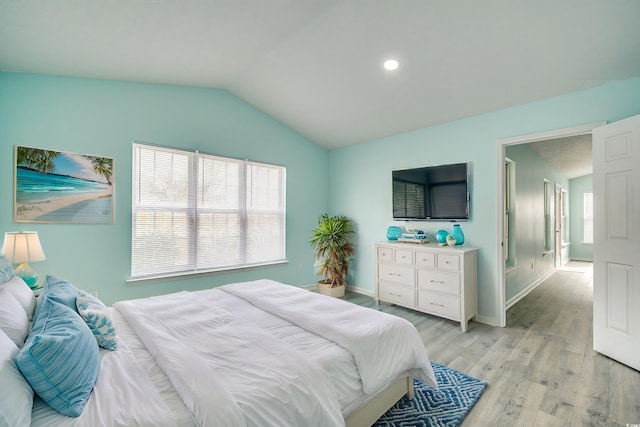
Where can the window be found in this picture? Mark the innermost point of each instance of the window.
(509, 212)
(547, 216)
(194, 212)
(587, 209)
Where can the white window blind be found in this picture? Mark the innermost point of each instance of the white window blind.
(194, 212)
(587, 217)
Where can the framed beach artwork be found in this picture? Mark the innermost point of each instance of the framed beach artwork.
(61, 187)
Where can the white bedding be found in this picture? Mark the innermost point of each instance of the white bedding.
(269, 384)
(191, 358)
(361, 331)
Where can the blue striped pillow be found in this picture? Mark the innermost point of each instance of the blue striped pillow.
(60, 358)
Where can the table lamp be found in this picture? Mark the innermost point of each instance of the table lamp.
(23, 247)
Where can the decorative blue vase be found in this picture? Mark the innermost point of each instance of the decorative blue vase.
(441, 236)
(457, 234)
(393, 232)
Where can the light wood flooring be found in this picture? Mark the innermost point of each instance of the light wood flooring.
(541, 368)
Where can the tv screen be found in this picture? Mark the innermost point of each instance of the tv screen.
(431, 193)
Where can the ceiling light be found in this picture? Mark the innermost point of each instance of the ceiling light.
(390, 64)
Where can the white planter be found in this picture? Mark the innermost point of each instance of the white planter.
(326, 289)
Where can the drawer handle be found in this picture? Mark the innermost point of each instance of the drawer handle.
(395, 274)
(395, 295)
(437, 281)
(437, 305)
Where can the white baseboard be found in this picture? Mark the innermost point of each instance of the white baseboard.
(574, 258)
(486, 320)
(523, 293)
(362, 291)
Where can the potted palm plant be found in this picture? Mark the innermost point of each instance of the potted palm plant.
(333, 249)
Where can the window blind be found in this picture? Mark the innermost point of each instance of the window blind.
(195, 212)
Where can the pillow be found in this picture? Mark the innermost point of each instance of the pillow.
(16, 396)
(97, 317)
(59, 290)
(23, 293)
(13, 319)
(6, 270)
(60, 358)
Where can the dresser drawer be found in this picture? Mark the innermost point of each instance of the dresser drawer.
(425, 259)
(448, 283)
(397, 274)
(397, 294)
(449, 262)
(385, 254)
(404, 256)
(441, 305)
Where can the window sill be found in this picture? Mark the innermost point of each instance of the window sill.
(137, 281)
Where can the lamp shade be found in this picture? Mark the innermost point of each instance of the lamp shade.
(22, 246)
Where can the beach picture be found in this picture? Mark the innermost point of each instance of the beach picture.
(55, 186)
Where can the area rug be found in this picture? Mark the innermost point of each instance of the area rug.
(447, 406)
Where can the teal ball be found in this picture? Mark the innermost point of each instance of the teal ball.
(441, 236)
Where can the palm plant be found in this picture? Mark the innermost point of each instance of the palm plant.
(332, 246)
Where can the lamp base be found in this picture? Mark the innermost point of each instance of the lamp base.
(28, 274)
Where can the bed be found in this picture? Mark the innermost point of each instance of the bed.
(258, 353)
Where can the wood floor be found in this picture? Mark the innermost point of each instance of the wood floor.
(541, 368)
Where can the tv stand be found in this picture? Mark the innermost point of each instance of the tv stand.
(438, 280)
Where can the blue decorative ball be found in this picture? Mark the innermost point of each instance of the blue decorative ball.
(441, 236)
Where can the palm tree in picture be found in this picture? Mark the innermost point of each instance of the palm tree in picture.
(102, 166)
(36, 158)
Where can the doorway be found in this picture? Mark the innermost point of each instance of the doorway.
(558, 224)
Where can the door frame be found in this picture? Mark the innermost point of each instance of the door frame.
(501, 145)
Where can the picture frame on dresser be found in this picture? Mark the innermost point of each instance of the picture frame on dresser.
(437, 280)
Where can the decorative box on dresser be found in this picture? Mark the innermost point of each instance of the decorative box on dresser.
(438, 280)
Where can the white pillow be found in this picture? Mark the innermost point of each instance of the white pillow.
(23, 293)
(16, 396)
(13, 319)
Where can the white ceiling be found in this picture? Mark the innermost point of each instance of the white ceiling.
(571, 156)
(316, 65)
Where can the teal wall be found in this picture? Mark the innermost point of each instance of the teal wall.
(360, 175)
(532, 263)
(103, 118)
(577, 187)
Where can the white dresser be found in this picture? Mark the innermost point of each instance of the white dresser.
(438, 280)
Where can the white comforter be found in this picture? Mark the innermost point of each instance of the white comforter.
(394, 341)
(223, 377)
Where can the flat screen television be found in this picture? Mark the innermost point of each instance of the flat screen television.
(431, 193)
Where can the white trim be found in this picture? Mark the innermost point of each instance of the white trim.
(501, 144)
(523, 293)
(577, 258)
(362, 291)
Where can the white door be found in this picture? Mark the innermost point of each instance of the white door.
(616, 254)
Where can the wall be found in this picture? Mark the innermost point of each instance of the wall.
(360, 175)
(577, 187)
(102, 118)
(532, 263)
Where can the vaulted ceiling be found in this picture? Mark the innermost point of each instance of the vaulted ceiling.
(316, 66)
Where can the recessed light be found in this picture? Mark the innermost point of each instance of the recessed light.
(391, 64)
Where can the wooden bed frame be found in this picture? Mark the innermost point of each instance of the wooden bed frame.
(368, 414)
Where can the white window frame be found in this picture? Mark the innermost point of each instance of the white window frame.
(210, 226)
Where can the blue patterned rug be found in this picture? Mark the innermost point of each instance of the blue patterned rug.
(444, 407)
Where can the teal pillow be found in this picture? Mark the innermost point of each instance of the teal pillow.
(62, 291)
(96, 315)
(60, 358)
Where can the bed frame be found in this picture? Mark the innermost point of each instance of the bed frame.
(380, 403)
